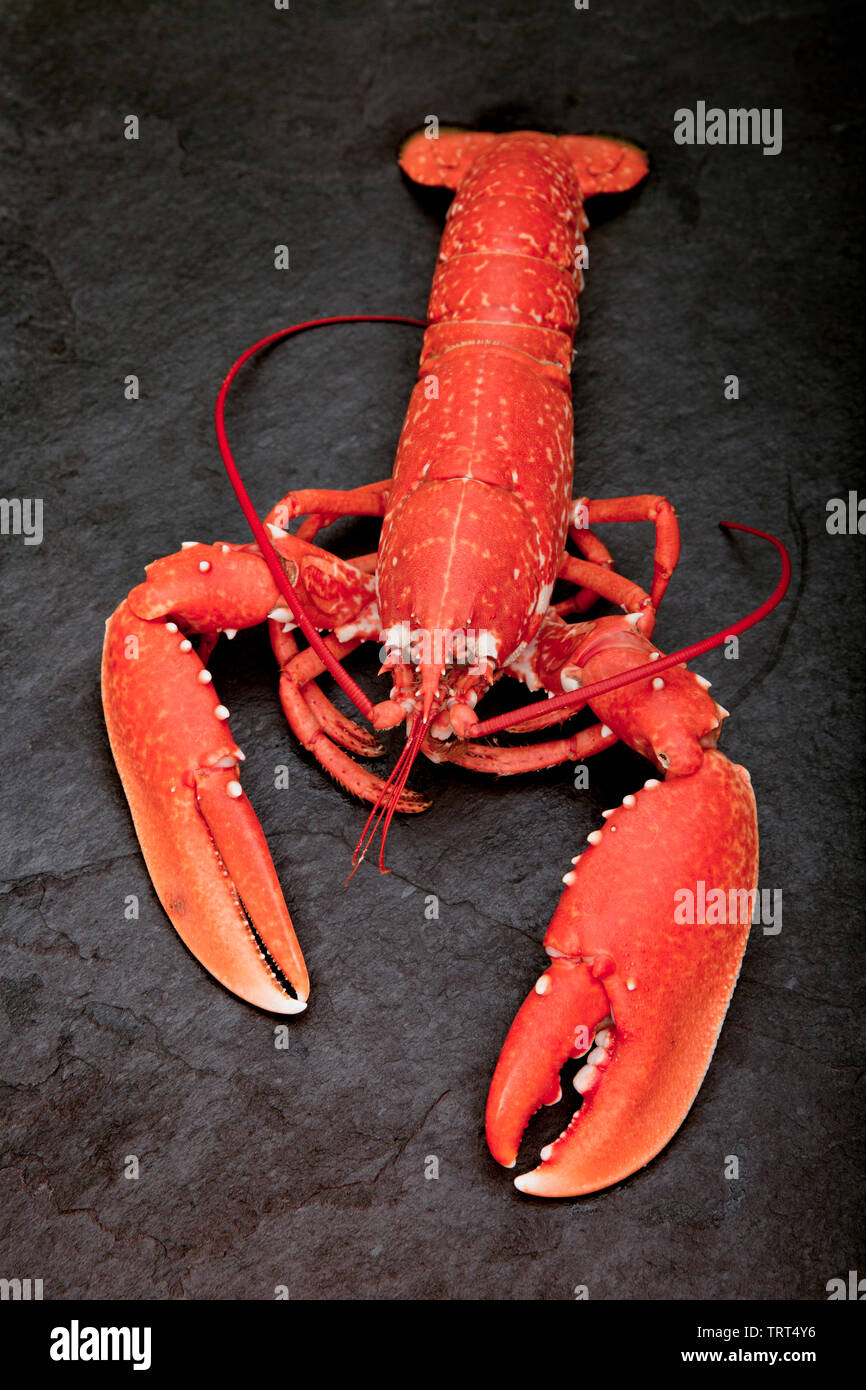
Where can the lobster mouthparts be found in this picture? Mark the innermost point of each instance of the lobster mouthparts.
(647, 943)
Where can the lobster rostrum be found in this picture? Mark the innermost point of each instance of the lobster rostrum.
(475, 522)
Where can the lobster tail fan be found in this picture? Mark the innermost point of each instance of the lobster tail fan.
(441, 157)
(604, 163)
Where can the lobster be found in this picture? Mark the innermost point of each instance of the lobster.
(475, 524)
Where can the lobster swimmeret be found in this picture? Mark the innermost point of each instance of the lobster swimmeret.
(475, 523)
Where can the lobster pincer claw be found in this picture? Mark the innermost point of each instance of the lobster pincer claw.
(647, 943)
(201, 839)
(557, 1020)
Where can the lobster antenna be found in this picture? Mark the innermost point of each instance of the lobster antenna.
(572, 701)
(263, 540)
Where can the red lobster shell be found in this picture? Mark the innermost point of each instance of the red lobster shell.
(475, 523)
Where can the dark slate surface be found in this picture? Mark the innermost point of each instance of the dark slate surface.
(306, 1166)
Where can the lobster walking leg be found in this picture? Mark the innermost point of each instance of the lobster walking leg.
(295, 678)
(343, 731)
(532, 757)
(321, 506)
(649, 507)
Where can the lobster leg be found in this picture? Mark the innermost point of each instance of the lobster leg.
(607, 583)
(311, 732)
(341, 730)
(529, 757)
(646, 507)
(594, 550)
(321, 506)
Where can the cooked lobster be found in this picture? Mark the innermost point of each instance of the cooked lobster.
(475, 522)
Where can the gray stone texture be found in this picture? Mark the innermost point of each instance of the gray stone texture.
(305, 1167)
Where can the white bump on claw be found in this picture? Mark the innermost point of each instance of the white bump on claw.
(575, 859)
(631, 984)
(568, 879)
(543, 985)
(546, 1152)
(605, 731)
(186, 645)
(234, 789)
(569, 683)
(221, 712)
(606, 814)
(628, 800)
(594, 837)
(171, 627)
(225, 549)
(204, 566)
(654, 656)
(188, 545)
(276, 531)
(650, 783)
(231, 633)
(658, 683)
(205, 677)
(586, 1077)
(281, 615)
(702, 680)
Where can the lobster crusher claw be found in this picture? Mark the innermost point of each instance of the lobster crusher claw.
(639, 996)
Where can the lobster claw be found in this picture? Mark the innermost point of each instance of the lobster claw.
(204, 847)
(645, 959)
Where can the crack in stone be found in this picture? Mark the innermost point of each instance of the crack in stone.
(389, 1162)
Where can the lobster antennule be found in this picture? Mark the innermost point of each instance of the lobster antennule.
(386, 803)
